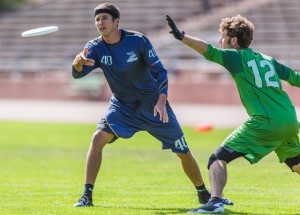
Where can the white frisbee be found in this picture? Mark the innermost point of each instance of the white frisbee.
(39, 31)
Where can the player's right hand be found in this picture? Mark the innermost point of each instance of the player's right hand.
(176, 33)
(81, 60)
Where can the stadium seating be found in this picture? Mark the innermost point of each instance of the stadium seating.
(49, 57)
(276, 28)
(75, 20)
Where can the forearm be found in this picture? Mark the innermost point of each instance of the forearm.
(79, 62)
(294, 78)
(286, 73)
(80, 70)
(162, 99)
(77, 66)
(195, 43)
(79, 74)
(76, 74)
(160, 75)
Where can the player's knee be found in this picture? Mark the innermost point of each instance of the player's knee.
(99, 140)
(185, 156)
(223, 153)
(211, 159)
(293, 163)
(296, 168)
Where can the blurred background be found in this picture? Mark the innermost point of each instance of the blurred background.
(37, 70)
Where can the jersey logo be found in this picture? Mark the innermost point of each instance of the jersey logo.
(132, 57)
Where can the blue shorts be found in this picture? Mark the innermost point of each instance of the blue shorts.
(125, 119)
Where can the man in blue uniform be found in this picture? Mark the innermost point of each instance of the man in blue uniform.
(139, 85)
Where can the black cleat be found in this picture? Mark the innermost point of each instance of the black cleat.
(84, 201)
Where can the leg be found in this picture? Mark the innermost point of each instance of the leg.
(296, 168)
(217, 166)
(217, 177)
(93, 163)
(294, 164)
(191, 168)
(94, 155)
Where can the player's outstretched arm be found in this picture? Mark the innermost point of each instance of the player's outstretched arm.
(193, 42)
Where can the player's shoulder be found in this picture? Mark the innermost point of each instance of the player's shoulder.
(135, 34)
(96, 41)
(259, 55)
(267, 57)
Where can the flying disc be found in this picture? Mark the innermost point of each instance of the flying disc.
(39, 31)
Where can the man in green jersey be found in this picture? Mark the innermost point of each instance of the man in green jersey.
(273, 124)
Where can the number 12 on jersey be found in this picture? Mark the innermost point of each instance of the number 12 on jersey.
(266, 77)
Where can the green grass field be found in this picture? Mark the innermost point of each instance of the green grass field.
(42, 172)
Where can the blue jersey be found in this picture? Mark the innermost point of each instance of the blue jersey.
(131, 67)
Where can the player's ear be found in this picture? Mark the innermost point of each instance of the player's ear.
(117, 21)
(234, 41)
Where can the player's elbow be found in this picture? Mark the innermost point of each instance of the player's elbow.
(75, 75)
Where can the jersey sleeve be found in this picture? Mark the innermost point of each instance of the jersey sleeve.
(157, 69)
(213, 54)
(87, 69)
(226, 58)
(287, 74)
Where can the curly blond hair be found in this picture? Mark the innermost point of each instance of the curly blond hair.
(240, 27)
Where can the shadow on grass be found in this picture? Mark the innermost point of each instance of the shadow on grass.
(155, 210)
(227, 211)
(165, 211)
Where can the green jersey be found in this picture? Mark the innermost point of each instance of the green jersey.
(257, 77)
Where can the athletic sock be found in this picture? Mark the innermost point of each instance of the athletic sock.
(201, 188)
(88, 190)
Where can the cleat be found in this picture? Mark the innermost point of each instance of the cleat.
(214, 205)
(204, 196)
(84, 201)
(227, 201)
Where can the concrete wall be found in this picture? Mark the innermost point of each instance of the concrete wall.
(180, 91)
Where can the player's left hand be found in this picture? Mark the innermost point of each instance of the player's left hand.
(179, 35)
(160, 108)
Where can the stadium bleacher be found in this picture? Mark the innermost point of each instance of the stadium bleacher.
(49, 57)
(276, 28)
(75, 20)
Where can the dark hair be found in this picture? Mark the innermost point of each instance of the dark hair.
(109, 8)
(240, 27)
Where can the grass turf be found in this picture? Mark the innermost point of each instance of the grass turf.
(42, 172)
